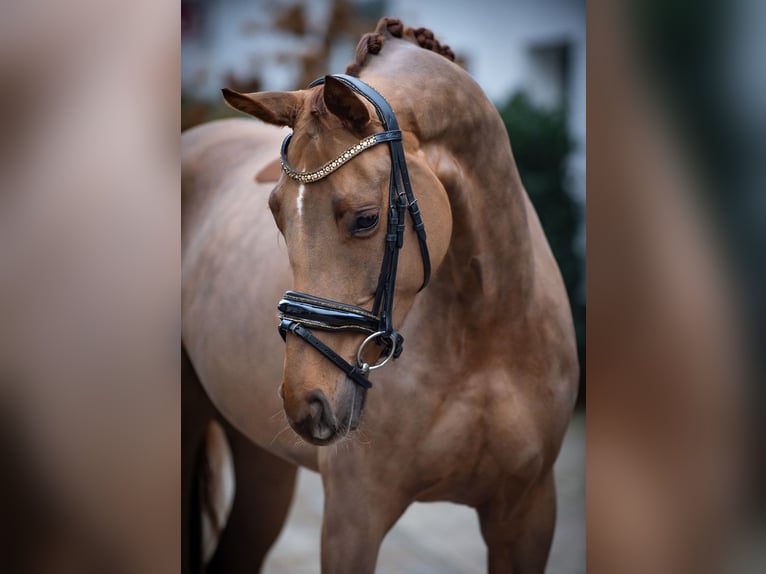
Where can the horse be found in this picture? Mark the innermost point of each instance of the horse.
(453, 380)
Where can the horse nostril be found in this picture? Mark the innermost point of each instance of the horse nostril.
(321, 418)
(318, 402)
(316, 410)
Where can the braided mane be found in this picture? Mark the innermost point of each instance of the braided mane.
(372, 42)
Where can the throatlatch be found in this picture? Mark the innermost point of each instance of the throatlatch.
(300, 312)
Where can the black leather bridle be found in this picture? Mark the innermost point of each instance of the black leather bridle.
(300, 313)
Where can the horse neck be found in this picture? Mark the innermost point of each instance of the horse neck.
(488, 270)
(490, 257)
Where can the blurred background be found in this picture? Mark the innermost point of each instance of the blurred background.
(529, 57)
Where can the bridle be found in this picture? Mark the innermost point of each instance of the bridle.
(300, 313)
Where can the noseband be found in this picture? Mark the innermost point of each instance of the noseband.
(300, 313)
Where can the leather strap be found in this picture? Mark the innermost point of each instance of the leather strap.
(352, 372)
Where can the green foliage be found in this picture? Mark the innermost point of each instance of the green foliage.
(541, 146)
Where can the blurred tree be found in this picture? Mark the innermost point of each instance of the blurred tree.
(541, 145)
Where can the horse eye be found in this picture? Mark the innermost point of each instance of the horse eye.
(366, 222)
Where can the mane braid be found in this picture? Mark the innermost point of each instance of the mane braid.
(372, 42)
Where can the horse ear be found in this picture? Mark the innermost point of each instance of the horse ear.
(278, 108)
(344, 103)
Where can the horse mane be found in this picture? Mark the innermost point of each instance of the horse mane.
(372, 42)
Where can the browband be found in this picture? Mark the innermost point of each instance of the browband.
(331, 166)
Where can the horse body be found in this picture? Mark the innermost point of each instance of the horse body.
(475, 409)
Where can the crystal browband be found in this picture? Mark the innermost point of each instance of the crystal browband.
(331, 166)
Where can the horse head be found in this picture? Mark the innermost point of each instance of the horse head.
(332, 205)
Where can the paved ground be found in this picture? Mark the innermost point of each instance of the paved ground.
(440, 538)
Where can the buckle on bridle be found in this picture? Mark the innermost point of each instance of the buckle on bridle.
(393, 342)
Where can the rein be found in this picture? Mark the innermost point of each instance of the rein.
(300, 312)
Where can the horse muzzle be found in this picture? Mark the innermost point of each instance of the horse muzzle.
(316, 419)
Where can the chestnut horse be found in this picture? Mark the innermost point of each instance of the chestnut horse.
(475, 408)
